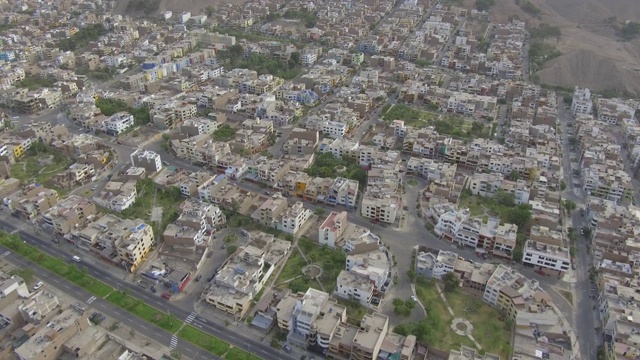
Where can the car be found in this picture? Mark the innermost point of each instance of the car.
(573, 266)
(581, 231)
(76, 259)
(96, 318)
(153, 289)
(166, 296)
(94, 187)
(539, 272)
(414, 298)
(209, 254)
(286, 348)
(210, 278)
(198, 277)
(38, 285)
(224, 246)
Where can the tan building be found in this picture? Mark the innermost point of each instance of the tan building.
(268, 214)
(71, 213)
(31, 201)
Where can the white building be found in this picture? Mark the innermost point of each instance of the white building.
(309, 58)
(332, 229)
(147, 159)
(184, 17)
(381, 204)
(118, 123)
(115, 60)
(581, 103)
(334, 129)
(353, 285)
(543, 256)
(294, 218)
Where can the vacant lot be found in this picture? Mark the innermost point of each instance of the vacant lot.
(412, 117)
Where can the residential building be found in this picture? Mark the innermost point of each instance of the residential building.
(148, 160)
(548, 258)
(381, 204)
(69, 214)
(332, 229)
(117, 196)
(581, 103)
(118, 123)
(294, 218)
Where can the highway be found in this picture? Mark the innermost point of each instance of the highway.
(97, 270)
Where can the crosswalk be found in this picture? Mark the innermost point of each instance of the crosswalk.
(174, 342)
(190, 318)
(91, 299)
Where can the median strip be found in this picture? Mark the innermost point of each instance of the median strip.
(124, 301)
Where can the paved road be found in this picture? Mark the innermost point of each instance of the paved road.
(107, 308)
(584, 314)
(179, 310)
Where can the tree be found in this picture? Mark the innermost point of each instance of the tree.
(514, 175)
(520, 215)
(209, 10)
(451, 282)
(505, 198)
(231, 249)
(319, 211)
(484, 5)
(563, 186)
(587, 232)
(569, 205)
(517, 254)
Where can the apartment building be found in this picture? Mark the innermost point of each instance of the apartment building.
(381, 204)
(270, 212)
(354, 285)
(435, 265)
(239, 280)
(294, 218)
(581, 103)
(70, 213)
(149, 160)
(334, 129)
(118, 123)
(117, 196)
(199, 126)
(31, 201)
(488, 185)
(332, 228)
(14, 147)
(310, 318)
(343, 192)
(200, 149)
(548, 258)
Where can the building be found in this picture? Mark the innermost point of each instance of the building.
(435, 265)
(117, 196)
(332, 229)
(581, 103)
(294, 218)
(353, 285)
(69, 214)
(548, 258)
(148, 160)
(118, 123)
(381, 204)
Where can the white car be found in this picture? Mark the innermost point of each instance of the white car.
(38, 285)
(414, 298)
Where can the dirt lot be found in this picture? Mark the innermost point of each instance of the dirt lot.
(592, 55)
(177, 6)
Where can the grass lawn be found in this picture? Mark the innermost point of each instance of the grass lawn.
(331, 262)
(150, 196)
(489, 207)
(144, 311)
(29, 169)
(489, 329)
(204, 340)
(237, 354)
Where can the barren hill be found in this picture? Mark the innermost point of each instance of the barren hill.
(592, 55)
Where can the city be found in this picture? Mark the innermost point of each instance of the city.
(290, 180)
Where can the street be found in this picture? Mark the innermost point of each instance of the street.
(585, 315)
(181, 310)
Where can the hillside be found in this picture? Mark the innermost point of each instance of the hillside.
(592, 55)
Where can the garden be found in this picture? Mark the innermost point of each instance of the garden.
(39, 164)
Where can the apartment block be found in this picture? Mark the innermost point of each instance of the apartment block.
(332, 228)
(270, 212)
(69, 214)
(118, 123)
(581, 103)
(149, 160)
(548, 258)
(435, 264)
(117, 196)
(381, 204)
(294, 218)
(31, 201)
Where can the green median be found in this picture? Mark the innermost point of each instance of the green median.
(125, 301)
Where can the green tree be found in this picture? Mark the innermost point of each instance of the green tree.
(231, 249)
(514, 175)
(569, 205)
(209, 10)
(563, 185)
(224, 133)
(505, 198)
(484, 5)
(517, 254)
(451, 282)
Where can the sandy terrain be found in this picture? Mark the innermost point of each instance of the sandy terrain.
(592, 56)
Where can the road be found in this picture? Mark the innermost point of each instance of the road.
(179, 310)
(112, 311)
(585, 316)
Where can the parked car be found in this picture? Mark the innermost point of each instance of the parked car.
(198, 277)
(165, 296)
(38, 285)
(153, 289)
(414, 298)
(286, 348)
(76, 259)
(96, 318)
(539, 272)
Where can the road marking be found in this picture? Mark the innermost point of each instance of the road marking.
(91, 299)
(144, 327)
(190, 318)
(67, 286)
(198, 325)
(174, 342)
